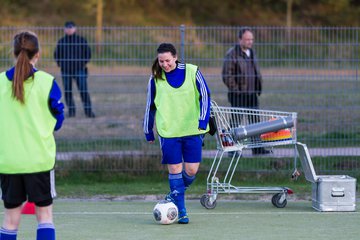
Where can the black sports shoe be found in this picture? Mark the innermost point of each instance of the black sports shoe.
(90, 115)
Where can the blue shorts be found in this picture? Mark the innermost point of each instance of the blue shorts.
(177, 150)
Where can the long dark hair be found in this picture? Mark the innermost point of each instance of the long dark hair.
(163, 48)
(26, 45)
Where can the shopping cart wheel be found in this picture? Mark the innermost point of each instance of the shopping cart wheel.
(205, 202)
(202, 200)
(279, 200)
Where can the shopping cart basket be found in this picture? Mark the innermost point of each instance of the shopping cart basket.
(243, 128)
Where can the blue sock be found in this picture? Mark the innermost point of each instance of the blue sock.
(188, 180)
(45, 231)
(8, 234)
(177, 190)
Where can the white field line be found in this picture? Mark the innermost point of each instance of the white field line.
(210, 213)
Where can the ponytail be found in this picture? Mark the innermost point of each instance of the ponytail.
(25, 47)
(156, 69)
(23, 69)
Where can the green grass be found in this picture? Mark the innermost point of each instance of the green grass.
(109, 178)
(331, 139)
(110, 185)
(146, 165)
(251, 220)
(85, 185)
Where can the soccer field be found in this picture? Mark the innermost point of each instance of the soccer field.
(107, 220)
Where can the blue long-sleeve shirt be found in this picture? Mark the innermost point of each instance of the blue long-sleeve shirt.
(56, 107)
(176, 78)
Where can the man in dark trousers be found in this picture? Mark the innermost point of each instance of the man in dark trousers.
(242, 76)
(72, 53)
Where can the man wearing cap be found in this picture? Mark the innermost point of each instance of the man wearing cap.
(241, 74)
(72, 53)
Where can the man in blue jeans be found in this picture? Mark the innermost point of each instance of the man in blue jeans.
(72, 53)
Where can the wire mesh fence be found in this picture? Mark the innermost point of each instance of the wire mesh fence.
(313, 71)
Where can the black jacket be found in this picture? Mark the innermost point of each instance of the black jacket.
(72, 53)
(234, 72)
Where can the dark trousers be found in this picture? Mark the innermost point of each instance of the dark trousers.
(243, 100)
(80, 77)
(246, 100)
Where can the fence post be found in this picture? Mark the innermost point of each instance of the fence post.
(99, 21)
(182, 43)
(357, 59)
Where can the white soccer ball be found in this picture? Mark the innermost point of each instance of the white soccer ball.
(165, 212)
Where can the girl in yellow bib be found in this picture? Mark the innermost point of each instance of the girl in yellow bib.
(30, 112)
(178, 99)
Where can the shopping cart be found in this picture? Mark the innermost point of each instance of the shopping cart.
(243, 128)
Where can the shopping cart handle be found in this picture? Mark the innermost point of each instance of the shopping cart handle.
(259, 128)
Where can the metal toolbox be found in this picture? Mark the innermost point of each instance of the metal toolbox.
(333, 193)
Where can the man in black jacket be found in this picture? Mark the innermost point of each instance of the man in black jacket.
(242, 76)
(72, 53)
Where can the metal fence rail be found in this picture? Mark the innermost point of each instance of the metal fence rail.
(313, 71)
